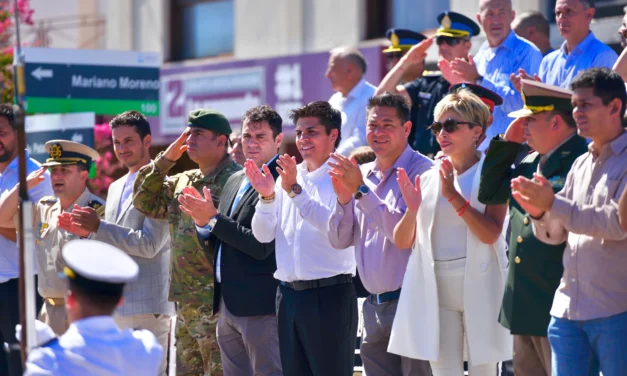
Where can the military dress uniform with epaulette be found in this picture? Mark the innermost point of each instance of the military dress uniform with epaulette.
(49, 239)
(535, 268)
(191, 271)
(425, 93)
(94, 344)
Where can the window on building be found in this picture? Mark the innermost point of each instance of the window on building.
(378, 18)
(201, 28)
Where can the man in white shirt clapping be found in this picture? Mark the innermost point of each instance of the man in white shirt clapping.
(316, 301)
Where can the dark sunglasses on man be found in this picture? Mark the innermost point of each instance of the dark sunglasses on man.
(451, 41)
(394, 55)
(449, 125)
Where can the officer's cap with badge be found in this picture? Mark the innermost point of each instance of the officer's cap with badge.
(541, 97)
(402, 40)
(97, 267)
(456, 25)
(64, 152)
(487, 96)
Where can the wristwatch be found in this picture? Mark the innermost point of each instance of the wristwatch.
(362, 191)
(479, 80)
(212, 221)
(296, 190)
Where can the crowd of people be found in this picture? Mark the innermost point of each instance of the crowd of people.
(480, 210)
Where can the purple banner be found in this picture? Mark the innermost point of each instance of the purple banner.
(235, 86)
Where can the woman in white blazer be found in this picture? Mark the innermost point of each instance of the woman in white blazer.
(453, 286)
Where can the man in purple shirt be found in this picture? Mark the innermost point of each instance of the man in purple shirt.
(370, 205)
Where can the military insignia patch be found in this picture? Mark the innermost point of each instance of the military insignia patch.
(97, 206)
(446, 22)
(394, 40)
(56, 151)
(50, 199)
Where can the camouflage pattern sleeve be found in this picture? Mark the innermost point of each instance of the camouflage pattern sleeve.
(153, 190)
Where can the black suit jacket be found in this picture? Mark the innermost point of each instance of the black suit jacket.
(247, 266)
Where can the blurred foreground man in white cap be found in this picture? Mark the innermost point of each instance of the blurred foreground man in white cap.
(94, 345)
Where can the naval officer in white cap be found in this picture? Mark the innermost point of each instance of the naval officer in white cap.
(94, 345)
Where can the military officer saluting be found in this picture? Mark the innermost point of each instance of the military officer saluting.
(95, 275)
(69, 164)
(535, 268)
(401, 41)
(453, 40)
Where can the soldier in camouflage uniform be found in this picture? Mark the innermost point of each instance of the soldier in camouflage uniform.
(191, 270)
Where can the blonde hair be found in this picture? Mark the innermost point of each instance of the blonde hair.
(466, 105)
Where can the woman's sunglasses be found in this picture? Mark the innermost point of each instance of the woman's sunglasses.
(449, 125)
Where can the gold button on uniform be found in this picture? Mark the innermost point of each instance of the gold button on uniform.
(519, 239)
(517, 260)
(526, 221)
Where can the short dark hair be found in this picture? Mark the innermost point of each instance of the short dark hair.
(100, 301)
(567, 116)
(388, 99)
(605, 83)
(537, 20)
(6, 110)
(327, 116)
(83, 167)
(363, 155)
(587, 3)
(265, 113)
(132, 118)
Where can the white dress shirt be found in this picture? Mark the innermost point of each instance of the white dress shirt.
(96, 346)
(353, 109)
(299, 227)
(127, 192)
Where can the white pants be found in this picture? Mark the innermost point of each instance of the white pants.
(159, 325)
(450, 279)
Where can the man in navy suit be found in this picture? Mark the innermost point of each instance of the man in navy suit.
(245, 288)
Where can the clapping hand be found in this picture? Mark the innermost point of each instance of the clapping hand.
(447, 179)
(288, 172)
(534, 196)
(200, 208)
(411, 192)
(262, 182)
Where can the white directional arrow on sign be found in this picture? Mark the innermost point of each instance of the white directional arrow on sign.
(40, 73)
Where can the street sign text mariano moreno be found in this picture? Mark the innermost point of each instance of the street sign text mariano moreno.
(122, 82)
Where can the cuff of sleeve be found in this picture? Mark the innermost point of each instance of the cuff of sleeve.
(162, 164)
(561, 208)
(368, 203)
(204, 232)
(266, 207)
(102, 229)
(300, 200)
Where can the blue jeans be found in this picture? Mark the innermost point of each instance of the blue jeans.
(587, 347)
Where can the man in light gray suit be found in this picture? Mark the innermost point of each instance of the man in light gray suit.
(147, 240)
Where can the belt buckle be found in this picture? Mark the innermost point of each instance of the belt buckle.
(379, 299)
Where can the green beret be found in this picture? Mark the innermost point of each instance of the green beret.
(211, 120)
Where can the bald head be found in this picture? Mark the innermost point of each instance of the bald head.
(351, 56)
(495, 17)
(346, 68)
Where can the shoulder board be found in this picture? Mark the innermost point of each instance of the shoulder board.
(49, 199)
(431, 74)
(98, 206)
